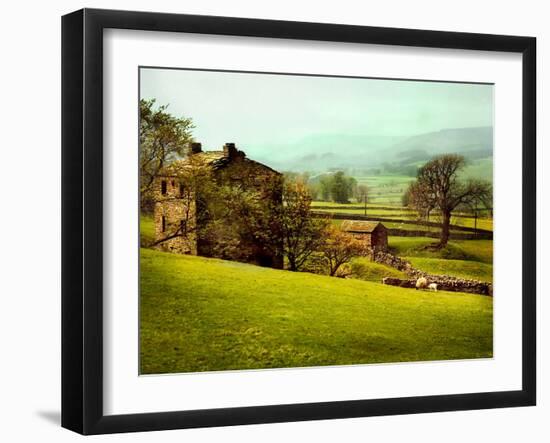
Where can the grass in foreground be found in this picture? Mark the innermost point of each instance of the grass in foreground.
(199, 314)
(146, 229)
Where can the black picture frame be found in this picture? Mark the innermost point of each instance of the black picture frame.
(82, 218)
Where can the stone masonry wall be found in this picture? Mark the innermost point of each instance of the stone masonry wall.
(179, 218)
(444, 282)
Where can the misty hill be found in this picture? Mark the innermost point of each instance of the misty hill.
(323, 151)
(337, 151)
(470, 142)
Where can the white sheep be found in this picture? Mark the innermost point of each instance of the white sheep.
(432, 287)
(421, 283)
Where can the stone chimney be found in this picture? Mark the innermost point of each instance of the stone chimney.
(194, 148)
(229, 150)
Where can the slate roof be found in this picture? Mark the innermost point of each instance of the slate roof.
(216, 159)
(366, 227)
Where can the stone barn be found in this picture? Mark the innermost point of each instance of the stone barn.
(373, 233)
(183, 220)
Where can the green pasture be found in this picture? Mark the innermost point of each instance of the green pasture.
(146, 229)
(401, 213)
(201, 314)
(364, 269)
(385, 189)
(456, 268)
(473, 250)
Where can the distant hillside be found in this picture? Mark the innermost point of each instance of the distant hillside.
(476, 144)
(324, 151)
(471, 142)
(333, 151)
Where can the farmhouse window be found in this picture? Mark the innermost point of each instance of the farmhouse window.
(163, 187)
(163, 223)
(181, 189)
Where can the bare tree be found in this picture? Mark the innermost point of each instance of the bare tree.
(438, 187)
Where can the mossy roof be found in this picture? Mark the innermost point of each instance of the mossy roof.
(360, 226)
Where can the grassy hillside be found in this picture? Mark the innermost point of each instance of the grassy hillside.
(365, 269)
(460, 258)
(200, 314)
(473, 250)
(146, 229)
(456, 268)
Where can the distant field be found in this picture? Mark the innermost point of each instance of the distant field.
(400, 213)
(200, 314)
(479, 169)
(386, 189)
(473, 250)
(358, 206)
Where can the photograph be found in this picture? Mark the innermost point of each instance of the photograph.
(300, 220)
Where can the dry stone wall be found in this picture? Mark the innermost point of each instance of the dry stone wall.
(444, 282)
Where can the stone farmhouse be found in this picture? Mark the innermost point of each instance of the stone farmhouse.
(179, 214)
(373, 233)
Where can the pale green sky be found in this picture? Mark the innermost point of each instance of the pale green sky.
(262, 109)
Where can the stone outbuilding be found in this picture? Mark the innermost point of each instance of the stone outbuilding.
(373, 233)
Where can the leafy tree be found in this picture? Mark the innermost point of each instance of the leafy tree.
(337, 187)
(338, 248)
(341, 188)
(162, 139)
(325, 187)
(437, 186)
(302, 234)
(283, 226)
(242, 216)
(314, 190)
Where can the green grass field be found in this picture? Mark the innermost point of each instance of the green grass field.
(146, 230)
(385, 189)
(456, 268)
(365, 269)
(472, 259)
(399, 213)
(474, 250)
(200, 314)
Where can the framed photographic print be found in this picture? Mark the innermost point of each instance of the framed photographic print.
(269, 221)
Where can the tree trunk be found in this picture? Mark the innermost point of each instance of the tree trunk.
(445, 228)
(292, 264)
